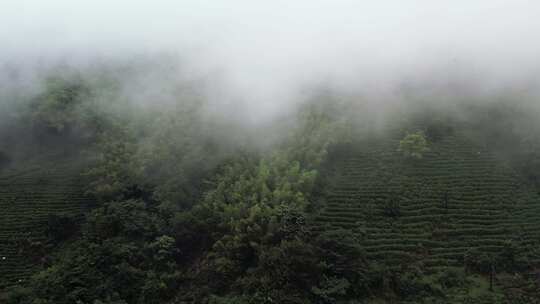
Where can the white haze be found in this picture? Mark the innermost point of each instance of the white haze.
(265, 52)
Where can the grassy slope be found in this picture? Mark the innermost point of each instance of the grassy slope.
(28, 195)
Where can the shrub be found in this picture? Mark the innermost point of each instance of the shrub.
(331, 289)
(410, 285)
(61, 227)
(451, 278)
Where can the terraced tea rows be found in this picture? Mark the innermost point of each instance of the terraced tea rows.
(432, 210)
(27, 198)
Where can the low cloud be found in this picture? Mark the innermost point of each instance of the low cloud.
(258, 58)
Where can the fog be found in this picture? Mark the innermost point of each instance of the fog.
(259, 58)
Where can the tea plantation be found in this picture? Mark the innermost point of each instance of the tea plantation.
(28, 197)
(453, 205)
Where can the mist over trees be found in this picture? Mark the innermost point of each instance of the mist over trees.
(291, 152)
(194, 207)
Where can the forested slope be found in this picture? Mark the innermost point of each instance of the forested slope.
(325, 205)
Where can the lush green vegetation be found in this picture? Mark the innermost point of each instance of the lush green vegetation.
(458, 209)
(164, 205)
(34, 201)
(414, 145)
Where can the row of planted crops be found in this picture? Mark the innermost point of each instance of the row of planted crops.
(28, 197)
(434, 212)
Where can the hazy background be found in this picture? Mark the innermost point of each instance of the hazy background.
(258, 57)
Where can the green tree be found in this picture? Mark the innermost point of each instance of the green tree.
(56, 108)
(414, 145)
(124, 255)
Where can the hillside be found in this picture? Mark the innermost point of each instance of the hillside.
(458, 205)
(340, 209)
(30, 195)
